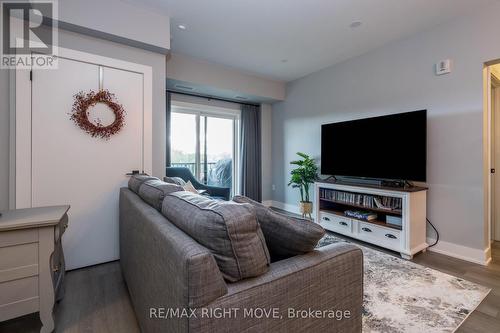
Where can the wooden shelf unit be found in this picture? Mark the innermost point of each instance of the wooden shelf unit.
(407, 239)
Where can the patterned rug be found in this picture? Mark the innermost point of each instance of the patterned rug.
(401, 296)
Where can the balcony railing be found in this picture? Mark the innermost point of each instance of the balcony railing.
(217, 173)
(192, 168)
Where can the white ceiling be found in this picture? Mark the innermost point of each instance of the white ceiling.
(256, 35)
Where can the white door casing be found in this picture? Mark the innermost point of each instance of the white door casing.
(495, 116)
(58, 163)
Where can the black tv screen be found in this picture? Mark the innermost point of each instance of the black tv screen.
(387, 147)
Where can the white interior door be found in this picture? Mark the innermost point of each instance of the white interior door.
(68, 166)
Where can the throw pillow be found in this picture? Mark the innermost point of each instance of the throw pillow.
(228, 229)
(136, 181)
(174, 180)
(154, 191)
(189, 187)
(285, 236)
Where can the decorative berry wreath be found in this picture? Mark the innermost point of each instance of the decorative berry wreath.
(80, 113)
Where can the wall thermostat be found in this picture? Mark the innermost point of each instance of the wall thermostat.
(443, 67)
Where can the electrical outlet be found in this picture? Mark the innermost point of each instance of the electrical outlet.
(273, 187)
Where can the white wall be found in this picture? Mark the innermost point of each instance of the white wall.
(201, 73)
(205, 101)
(118, 18)
(396, 78)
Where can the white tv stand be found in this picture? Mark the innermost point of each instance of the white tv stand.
(407, 239)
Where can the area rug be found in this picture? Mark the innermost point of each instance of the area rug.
(401, 296)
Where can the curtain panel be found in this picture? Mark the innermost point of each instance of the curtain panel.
(250, 153)
(168, 158)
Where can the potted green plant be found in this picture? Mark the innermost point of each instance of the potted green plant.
(302, 177)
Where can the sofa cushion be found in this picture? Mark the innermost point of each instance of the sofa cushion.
(153, 191)
(175, 180)
(228, 229)
(285, 236)
(136, 181)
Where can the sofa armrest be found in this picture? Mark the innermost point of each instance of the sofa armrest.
(327, 279)
(335, 255)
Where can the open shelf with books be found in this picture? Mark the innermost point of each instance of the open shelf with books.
(393, 218)
(364, 207)
(375, 209)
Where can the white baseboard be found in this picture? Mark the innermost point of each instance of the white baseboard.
(477, 256)
(267, 203)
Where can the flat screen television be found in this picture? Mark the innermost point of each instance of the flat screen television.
(387, 147)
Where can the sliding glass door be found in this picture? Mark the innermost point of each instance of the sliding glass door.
(206, 143)
(217, 147)
(184, 141)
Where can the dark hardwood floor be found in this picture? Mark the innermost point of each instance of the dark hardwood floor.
(486, 318)
(97, 299)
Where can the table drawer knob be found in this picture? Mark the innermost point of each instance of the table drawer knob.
(366, 229)
(326, 218)
(343, 223)
(390, 236)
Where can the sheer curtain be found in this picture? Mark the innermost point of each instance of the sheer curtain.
(250, 153)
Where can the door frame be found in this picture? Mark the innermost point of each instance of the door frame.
(20, 128)
(494, 105)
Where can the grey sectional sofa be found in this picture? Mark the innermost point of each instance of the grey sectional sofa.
(176, 286)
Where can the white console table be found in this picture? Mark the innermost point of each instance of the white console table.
(407, 239)
(32, 262)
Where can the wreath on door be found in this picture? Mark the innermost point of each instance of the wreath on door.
(81, 110)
